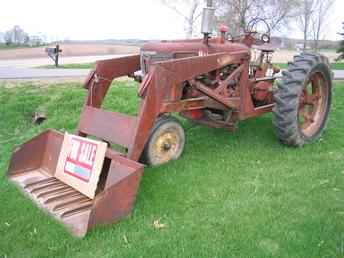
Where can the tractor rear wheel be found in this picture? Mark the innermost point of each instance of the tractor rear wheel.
(165, 143)
(303, 100)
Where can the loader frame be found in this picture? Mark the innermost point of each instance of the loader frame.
(160, 93)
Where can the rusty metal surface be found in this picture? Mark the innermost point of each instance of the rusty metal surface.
(33, 167)
(190, 46)
(118, 198)
(99, 81)
(229, 102)
(115, 128)
(313, 103)
(162, 88)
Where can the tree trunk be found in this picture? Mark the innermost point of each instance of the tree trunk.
(191, 19)
(306, 25)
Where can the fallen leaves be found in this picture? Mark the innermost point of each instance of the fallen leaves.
(158, 225)
(34, 232)
(125, 239)
(321, 243)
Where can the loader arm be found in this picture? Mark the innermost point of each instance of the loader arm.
(100, 79)
(158, 88)
(162, 81)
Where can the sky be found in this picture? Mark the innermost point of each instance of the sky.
(116, 19)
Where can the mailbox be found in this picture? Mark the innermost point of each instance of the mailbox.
(53, 53)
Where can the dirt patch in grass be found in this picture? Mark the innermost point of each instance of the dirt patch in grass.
(69, 50)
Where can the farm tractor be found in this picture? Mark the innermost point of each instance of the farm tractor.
(215, 81)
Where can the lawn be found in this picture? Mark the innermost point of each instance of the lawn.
(71, 66)
(230, 195)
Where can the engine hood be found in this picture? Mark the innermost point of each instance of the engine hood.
(165, 50)
(193, 46)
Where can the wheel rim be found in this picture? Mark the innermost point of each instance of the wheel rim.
(313, 105)
(166, 146)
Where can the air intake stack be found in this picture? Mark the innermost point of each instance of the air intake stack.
(208, 20)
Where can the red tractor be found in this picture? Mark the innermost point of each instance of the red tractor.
(218, 82)
(214, 81)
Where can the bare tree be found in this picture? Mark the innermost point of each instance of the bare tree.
(190, 16)
(319, 20)
(340, 50)
(312, 19)
(8, 38)
(237, 13)
(277, 13)
(16, 36)
(304, 20)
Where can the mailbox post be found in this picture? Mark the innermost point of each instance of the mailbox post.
(53, 53)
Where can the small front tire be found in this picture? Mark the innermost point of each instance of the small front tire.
(165, 143)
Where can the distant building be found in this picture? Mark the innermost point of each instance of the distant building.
(36, 41)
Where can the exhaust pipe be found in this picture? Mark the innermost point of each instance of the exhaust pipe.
(208, 20)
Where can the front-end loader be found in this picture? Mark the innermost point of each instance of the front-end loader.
(214, 81)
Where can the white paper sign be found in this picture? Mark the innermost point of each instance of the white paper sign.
(80, 163)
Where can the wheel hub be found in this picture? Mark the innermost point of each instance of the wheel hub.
(312, 104)
(166, 146)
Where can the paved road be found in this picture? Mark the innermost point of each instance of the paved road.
(7, 73)
(35, 62)
(24, 68)
(339, 75)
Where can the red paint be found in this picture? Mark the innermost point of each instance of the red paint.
(223, 28)
(196, 114)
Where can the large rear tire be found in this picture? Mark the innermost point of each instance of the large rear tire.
(303, 100)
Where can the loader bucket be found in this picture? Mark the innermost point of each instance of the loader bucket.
(33, 167)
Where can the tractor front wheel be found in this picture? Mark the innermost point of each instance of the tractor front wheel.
(303, 100)
(165, 143)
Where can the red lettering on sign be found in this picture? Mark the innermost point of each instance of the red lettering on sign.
(80, 160)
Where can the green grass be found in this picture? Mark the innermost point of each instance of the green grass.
(230, 195)
(334, 66)
(71, 66)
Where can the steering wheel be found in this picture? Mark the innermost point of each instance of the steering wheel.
(260, 30)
